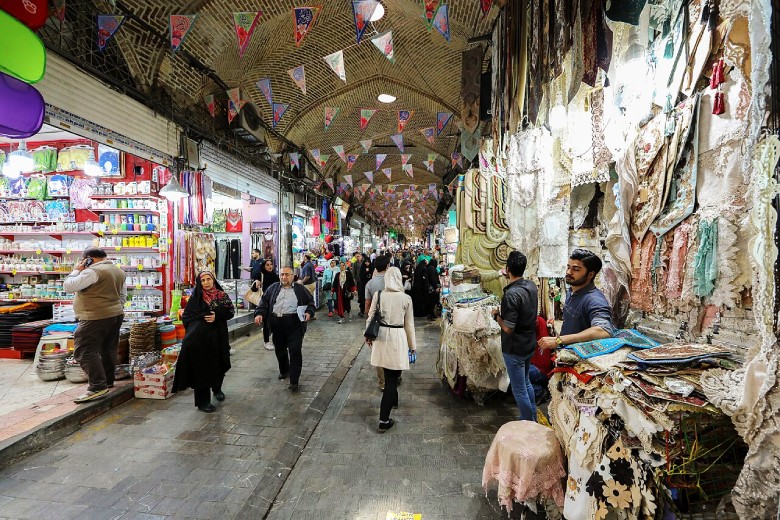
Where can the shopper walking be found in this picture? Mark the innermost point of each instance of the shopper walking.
(517, 319)
(308, 276)
(99, 304)
(390, 350)
(420, 293)
(269, 277)
(345, 288)
(376, 284)
(328, 277)
(406, 277)
(279, 306)
(434, 288)
(205, 350)
(364, 275)
(255, 267)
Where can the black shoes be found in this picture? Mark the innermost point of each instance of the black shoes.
(219, 396)
(282, 376)
(385, 425)
(361, 315)
(293, 388)
(207, 408)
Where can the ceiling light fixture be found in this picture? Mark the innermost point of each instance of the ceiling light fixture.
(18, 161)
(379, 12)
(386, 98)
(92, 168)
(173, 190)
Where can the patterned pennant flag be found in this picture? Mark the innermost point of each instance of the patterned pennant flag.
(351, 159)
(442, 118)
(330, 183)
(324, 160)
(365, 116)
(429, 165)
(298, 75)
(107, 25)
(336, 63)
(245, 24)
(315, 153)
(264, 85)
(59, 9)
(279, 110)
(384, 42)
(442, 21)
(339, 149)
(429, 134)
(405, 158)
(330, 114)
(295, 159)
(380, 158)
(430, 8)
(373, 194)
(485, 5)
(388, 172)
(235, 103)
(304, 18)
(369, 175)
(398, 139)
(366, 144)
(362, 11)
(457, 159)
(403, 118)
(348, 178)
(408, 169)
(180, 25)
(211, 104)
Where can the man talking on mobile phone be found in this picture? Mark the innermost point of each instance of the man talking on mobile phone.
(99, 303)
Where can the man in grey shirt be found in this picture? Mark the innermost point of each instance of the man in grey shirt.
(376, 284)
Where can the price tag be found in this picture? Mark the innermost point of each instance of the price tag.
(140, 267)
(138, 286)
(35, 299)
(118, 248)
(13, 272)
(170, 241)
(67, 251)
(37, 251)
(100, 233)
(114, 231)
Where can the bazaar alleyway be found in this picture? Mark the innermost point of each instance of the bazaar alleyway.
(269, 453)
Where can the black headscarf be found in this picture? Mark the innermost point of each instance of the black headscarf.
(269, 277)
(197, 307)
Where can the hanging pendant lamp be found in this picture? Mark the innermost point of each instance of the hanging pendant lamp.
(173, 190)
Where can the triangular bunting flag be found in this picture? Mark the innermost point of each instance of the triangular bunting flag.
(279, 110)
(442, 21)
(303, 19)
(245, 24)
(59, 9)
(408, 169)
(351, 161)
(457, 159)
(107, 25)
(485, 5)
(398, 139)
(405, 158)
(315, 153)
(339, 149)
(295, 159)
(264, 85)
(365, 116)
(235, 103)
(403, 118)
(211, 104)
(298, 75)
(380, 158)
(430, 8)
(366, 144)
(348, 178)
(336, 63)
(429, 134)
(180, 25)
(329, 183)
(362, 11)
(384, 42)
(369, 175)
(442, 118)
(388, 172)
(429, 165)
(433, 156)
(324, 160)
(330, 115)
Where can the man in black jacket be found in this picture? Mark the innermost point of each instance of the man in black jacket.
(280, 305)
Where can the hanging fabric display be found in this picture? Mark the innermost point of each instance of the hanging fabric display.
(235, 103)
(264, 85)
(329, 115)
(469, 144)
(365, 116)
(245, 24)
(298, 75)
(211, 105)
(336, 63)
(470, 87)
(279, 110)
(384, 42)
(403, 119)
(180, 26)
(304, 18)
(107, 25)
(362, 10)
(295, 158)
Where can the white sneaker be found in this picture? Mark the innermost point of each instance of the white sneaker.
(341, 320)
(232, 351)
(269, 346)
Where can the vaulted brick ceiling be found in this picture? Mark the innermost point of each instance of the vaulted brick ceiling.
(425, 76)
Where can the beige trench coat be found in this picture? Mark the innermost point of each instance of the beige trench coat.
(391, 348)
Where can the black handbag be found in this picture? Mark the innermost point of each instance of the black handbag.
(372, 331)
(327, 287)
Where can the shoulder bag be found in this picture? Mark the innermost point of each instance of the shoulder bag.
(372, 331)
(253, 296)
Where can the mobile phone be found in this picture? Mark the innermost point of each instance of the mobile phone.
(88, 262)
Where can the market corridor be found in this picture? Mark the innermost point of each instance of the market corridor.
(314, 454)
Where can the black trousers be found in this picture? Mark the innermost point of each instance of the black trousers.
(288, 342)
(266, 331)
(203, 395)
(390, 394)
(96, 342)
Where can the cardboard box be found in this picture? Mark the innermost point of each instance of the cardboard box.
(153, 386)
(152, 392)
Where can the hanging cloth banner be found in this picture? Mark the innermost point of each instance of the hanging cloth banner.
(384, 42)
(22, 107)
(398, 139)
(315, 153)
(235, 103)
(330, 183)
(348, 178)
(430, 8)
(457, 159)
(408, 169)
(330, 114)
(324, 160)
(211, 104)
(303, 19)
(365, 116)
(366, 144)
(442, 118)
(180, 25)
(245, 24)
(339, 149)
(403, 118)
(351, 159)
(429, 133)
(442, 21)
(405, 158)
(469, 143)
(485, 5)
(336, 63)
(380, 158)
(369, 175)
(107, 25)
(279, 110)
(264, 85)
(298, 75)
(431, 161)
(295, 159)
(362, 11)
(388, 172)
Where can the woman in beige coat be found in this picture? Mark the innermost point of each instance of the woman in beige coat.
(390, 350)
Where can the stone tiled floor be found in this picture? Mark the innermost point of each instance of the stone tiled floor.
(20, 387)
(313, 454)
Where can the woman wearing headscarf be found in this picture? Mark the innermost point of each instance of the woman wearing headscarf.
(327, 285)
(434, 287)
(345, 289)
(364, 275)
(406, 276)
(390, 350)
(269, 277)
(205, 349)
(420, 295)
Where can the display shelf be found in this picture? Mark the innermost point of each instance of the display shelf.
(144, 196)
(33, 300)
(107, 233)
(47, 233)
(119, 249)
(35, 272)
(140, 287)
(38, 222)
(38, 251)
(124, 210)
(135, 268)
(54, 197)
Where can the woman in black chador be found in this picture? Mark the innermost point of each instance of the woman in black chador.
(205, 349)
(434, 287)
(420, 295)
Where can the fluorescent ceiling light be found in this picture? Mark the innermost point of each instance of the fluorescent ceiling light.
(304, 207)
(379, 12)
(386, 98)
(271, 211)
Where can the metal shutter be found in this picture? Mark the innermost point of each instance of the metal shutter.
(235, 173)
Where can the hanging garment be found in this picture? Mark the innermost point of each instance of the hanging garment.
(235, 258)
(234, 221)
